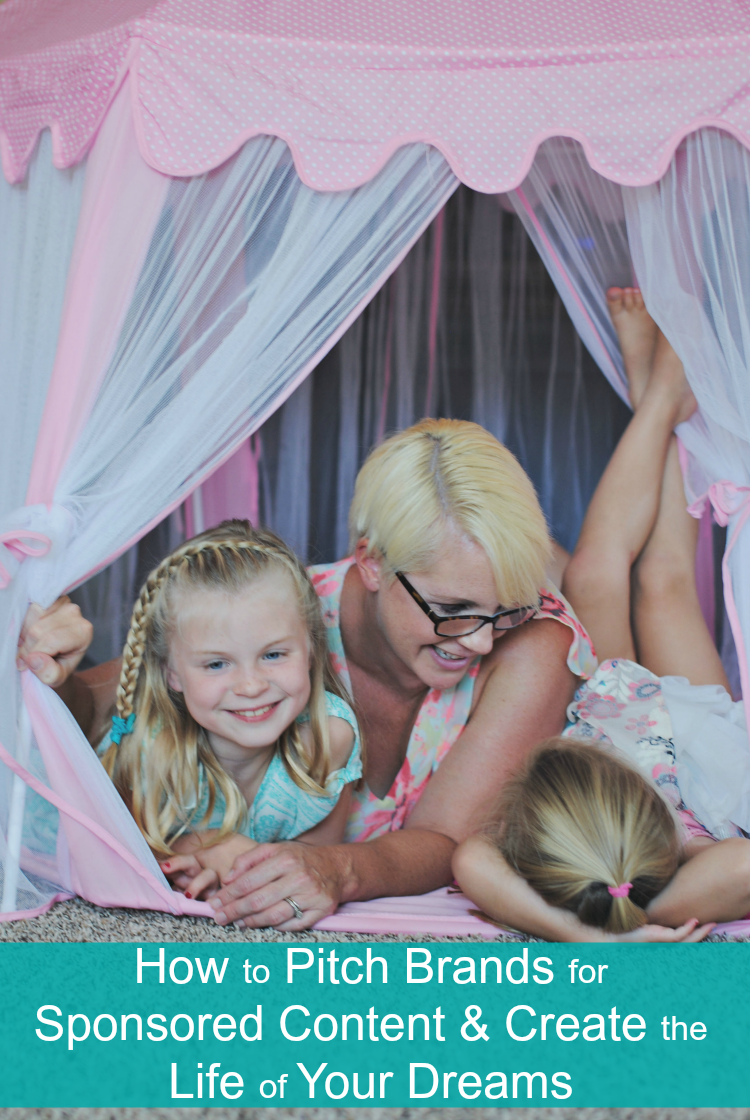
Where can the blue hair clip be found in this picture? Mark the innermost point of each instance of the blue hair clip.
(121, 727)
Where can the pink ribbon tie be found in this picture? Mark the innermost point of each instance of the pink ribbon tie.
(729, 500)
(620, 892)
(17, 543)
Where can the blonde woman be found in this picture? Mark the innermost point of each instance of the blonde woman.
(458, 655)
(598, 841)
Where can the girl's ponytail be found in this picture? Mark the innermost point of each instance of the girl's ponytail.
(597, 906)
(590, 834)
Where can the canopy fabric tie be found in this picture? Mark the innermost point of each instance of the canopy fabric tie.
(729, 501)
(17, 542)
(33, 533)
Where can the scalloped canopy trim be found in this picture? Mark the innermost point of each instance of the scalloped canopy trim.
(346, 84)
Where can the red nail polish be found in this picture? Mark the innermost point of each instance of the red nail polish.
(166, 865)
(188, 894)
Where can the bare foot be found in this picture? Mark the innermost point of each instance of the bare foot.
(637, 332)
(668, 376)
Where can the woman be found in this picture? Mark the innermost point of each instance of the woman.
(458, 658)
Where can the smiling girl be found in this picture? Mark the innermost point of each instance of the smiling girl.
(231, 728)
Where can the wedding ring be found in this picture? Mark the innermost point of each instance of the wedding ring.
(295, 908)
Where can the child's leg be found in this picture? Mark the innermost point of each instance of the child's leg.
(558, 562)
(623, 509)
(670, 631)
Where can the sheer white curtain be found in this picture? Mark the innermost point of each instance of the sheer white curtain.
(194, 373)
(505, 355)
(592, 234)
(576, 220)
(38, 220)
(690, 239)
(248, 278)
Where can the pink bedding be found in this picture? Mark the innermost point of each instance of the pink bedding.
(441, 913)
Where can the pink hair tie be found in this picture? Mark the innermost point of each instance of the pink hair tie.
(620, 892)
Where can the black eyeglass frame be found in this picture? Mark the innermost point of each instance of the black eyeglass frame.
(481, 620)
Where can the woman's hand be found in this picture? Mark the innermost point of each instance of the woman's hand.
(689, 932)
(255, 890)
(52, 642)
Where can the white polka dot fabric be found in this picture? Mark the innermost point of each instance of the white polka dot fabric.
(346, 82)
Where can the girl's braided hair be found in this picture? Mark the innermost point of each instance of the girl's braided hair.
(165, 768)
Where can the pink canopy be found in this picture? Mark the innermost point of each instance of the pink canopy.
(345, 84)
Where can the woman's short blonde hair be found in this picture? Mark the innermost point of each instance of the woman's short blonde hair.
(442, 472)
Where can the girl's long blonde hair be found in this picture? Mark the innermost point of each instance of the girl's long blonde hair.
(580, 821)
(157, 768)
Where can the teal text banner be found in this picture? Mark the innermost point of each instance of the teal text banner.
(385, 1025)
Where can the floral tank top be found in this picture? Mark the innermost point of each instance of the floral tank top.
(443, 714)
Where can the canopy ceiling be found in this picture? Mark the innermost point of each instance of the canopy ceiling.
(346, 82)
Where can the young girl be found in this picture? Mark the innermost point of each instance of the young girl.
(589, 834)
(231, 727)
(598, 841)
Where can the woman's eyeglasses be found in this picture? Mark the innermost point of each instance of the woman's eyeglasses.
(460, 625)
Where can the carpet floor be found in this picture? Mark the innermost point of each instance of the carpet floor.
(374, 1113)
(82, 921)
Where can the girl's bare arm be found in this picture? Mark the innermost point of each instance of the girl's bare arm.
(485, 878)
(713, 884)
